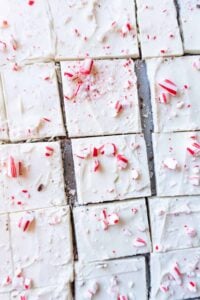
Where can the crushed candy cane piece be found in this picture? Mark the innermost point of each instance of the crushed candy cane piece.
(95, 152)
(164, 288)
(113, 219)
(122, 161)
(190, 231)
(49, 151)
(122, 297)
(27, 283)
(92, 290)
(171, 163)
(96, 165)
(192, 286)
(135, 174)
(176, 273)
(139, 242)
(196, 65)
(163, 98)
(108, 149)
(86, 67)
(118, 108)
(13, 168)
(26, 220)
(169, 86)
(83, 153)
(6, 281)
(14, 43)
(194, 148)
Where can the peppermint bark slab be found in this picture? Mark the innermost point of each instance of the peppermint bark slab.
(103, 101)
(42, 246)
(123, 223)
(46, 293)
(26, 31)
(158, 28)
(177, 163)
(3, 119)
(31, 176)
(95, 28)
(109, 168)
(175, 93)
(175, 274)
(6, 270)
(175, 223)
(189, 18)
(122, 279)
(32, 101)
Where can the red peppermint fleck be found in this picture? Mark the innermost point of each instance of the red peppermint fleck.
(46, 119)
(122, 297)
(16, 67)
(163, 98)
(25, 221)
(122, 161)
(12, 168)
(108, 149)
(118, 107)
(96, 165)
(5, 24)
(31, 2)
(86, 66)
(169, 86)
(139, 242)
(95, 152)
(27, 283)
(49, 151)
(192, 286)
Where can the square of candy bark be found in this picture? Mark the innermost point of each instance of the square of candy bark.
(61, 292)
(3, 119)
(189, 18)
(31, 176)
(175, 93)
(177, 163)
(96, 28)
(6, 268)
(175, 275)
(118, 279)
(111, 167)
(100, 97)
(158, 28)
(42, 246)
(175, 223)
(26, 31)
(32, 102)
(111, 230)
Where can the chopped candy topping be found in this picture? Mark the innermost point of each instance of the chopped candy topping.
(169, 86)
(26, 220)
(108, 220)
(27, 283)
(171, 163)
(86, 67)
(108, 149)
(6, 281)
(139, 242)
(4, 24)
(135, 174)
(31, 2)
(16, 67)
(12, 168)
(122, 297)
(95, 152)
(176, 273)
(3, 46)
(83, 153)
(190, 231)
(49, 151)
(96, 165)
(113, 219)
(196, 65)
(23, 297)
(163, 98)
(126, 28)
(92, 290)
(192, 286)
(194, 148)
(164, 288)
(122, 161)
(14, 44)
(118, 108)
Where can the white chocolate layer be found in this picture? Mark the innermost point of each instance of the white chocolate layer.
(181, 112)
(98, 238)
(5, 296)
(3, 121)
(32, 102)
(109, 182)
(6, 254)
(28, 35)
(41, 183)
(44, 252)
(48, 293)
(95, 28)
(166, 283)
(175, 223)
(158, 28)
(92, 111)
(111, 279)
(190, 19)
(170, 151)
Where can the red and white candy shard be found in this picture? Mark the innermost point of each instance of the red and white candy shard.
(49, 151)
(92, 290)
(164, 288)
(122, 297)
(113, 219)
(6, 281)
(122, 161)
(27, 283)
(135, 174)
(86, 67)
(118, 108)
(176, 273)
(195, 180)
(96, 165)
(26, 220)
(163, 98)
(170, 163)
(194, 148)
(139, 242)
(192, 286)
(107, 220)
(169, 86)
(83, 153)
(13, 167)
(190, 231)
(108, 149)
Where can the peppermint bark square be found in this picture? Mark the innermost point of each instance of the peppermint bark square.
(26, 31)
(61, 292)
(189, 20)
(100, 97)
(96, 28)
(42, 246)
(175, 274)
(109, 168)
(175, 93)
(123, 223)
(31, 176)
(177, 163)
(175, 223)
(117, 279)
(3, 119)
(32, 102)
(6, 269)
(158, 28)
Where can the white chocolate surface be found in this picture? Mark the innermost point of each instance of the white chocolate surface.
(3, 121)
